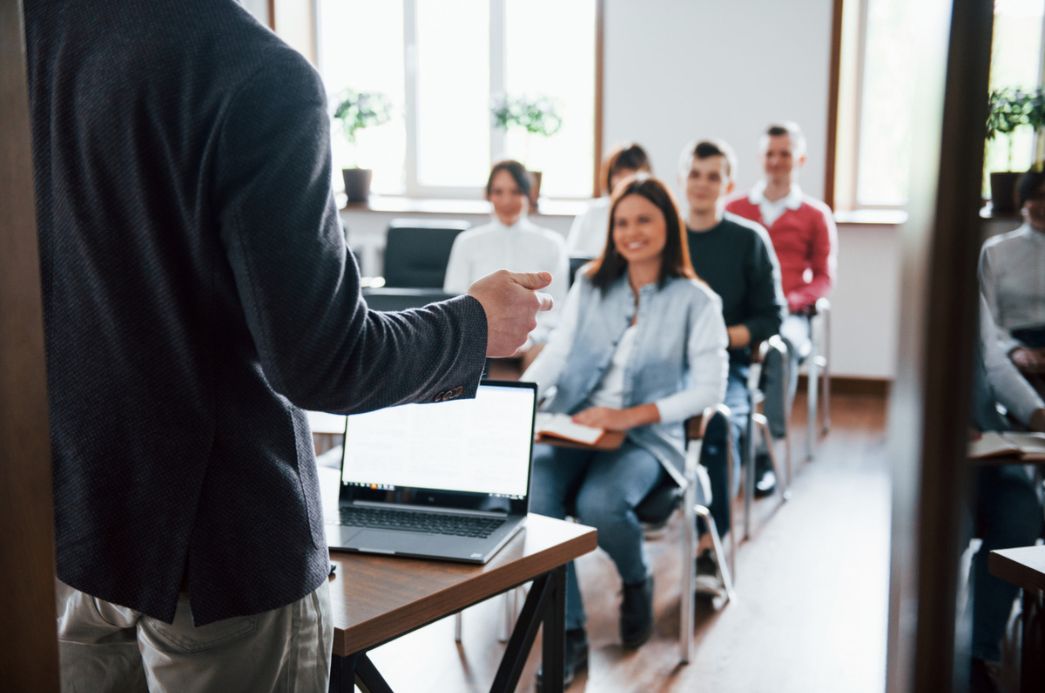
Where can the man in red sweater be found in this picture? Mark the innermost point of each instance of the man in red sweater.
(805, 239)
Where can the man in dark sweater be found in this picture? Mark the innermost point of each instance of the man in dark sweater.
(735, 257)
(197, 291)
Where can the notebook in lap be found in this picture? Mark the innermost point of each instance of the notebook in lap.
(449, 480)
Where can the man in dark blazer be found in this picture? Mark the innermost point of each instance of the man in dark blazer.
(198, 292)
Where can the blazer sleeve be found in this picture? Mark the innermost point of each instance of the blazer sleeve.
(316, 341)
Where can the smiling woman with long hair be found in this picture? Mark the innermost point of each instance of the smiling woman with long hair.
(640, 348)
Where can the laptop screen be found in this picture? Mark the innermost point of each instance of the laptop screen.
(478, 447)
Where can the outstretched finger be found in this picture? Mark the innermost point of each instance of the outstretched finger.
(531, 280)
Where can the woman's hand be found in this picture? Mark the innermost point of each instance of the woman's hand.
(618, 419)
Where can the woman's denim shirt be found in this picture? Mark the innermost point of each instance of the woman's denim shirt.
(678, 322)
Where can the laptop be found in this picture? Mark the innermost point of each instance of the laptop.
(447, 480)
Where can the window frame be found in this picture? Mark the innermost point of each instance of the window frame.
(413, 188)
(842, 184)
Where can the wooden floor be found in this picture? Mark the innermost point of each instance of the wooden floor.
(810, 612)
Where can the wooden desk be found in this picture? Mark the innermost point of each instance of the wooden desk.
(376, 599)
(1025, 567)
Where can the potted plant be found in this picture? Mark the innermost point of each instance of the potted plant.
(535, 116)
(1009, 109)
(356, 111)
(1036, 119)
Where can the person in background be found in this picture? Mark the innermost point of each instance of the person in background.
(510, 241)
(805, 240)
(587, 235)
(735, 257)
(1012, 278)
(640, 349)
(1006, 508)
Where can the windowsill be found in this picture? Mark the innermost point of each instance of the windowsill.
(871, 217)
(414, 205)
(550, 207)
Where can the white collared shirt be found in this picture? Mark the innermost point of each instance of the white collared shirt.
(521, 247)
(772, 209)
(587, 236)
(1012, 277)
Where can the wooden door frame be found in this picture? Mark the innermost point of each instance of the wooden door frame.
(929, 407)
(29, 655)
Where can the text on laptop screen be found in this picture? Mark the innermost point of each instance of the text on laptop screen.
(480, 445)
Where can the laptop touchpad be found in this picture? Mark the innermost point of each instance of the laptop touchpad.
(387, 541)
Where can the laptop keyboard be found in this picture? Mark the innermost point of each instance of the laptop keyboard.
(431, 523)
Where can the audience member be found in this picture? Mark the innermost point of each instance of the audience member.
(1012, 277)
(641, 348)
(803, 233)
(510, 241)
(1007, 511)
(587, 236)
(735, 257)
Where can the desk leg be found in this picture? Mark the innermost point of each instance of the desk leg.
(1032, 669)
(546, 603)
(356, 670)
(553, 635)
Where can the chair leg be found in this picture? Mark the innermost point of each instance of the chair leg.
(458, 623)
(783, 486)
(749, 478)
(826, 357)
(508, 611)
(689, 550)
(724, 572)
(811, 397)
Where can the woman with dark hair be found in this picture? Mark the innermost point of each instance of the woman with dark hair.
(588, 234)
(510, 241)
(640, 348)
(1012, 277)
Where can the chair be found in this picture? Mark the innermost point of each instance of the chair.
(757, 422)
(817, 365)
(655, 510)
(575, 264)
(392, 299)
(417, 251)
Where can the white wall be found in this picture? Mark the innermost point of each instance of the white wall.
(676, 70)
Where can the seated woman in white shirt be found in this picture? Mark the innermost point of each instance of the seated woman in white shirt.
(510, 241)
(640, 348)
(1012, 278)
(588, 234)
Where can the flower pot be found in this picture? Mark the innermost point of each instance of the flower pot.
(1003, 192)
(357, 183)
(535, 188)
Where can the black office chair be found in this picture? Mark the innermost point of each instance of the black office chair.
(575, 264)
(417, 251)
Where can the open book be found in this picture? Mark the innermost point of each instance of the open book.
(1029, 447)
(562, 426)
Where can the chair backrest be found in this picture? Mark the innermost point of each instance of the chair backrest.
(575, 264)
(391, 299)
(416, 251)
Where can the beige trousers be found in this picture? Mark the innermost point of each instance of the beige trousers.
(104, 647)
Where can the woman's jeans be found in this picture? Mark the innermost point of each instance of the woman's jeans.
(602, 490)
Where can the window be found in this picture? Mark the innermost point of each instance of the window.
(1015, 62)
(878, 85)
(441, 64)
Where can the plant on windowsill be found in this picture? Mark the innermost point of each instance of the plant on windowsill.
(537, 116)
(357, 111)
(1010, 109)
